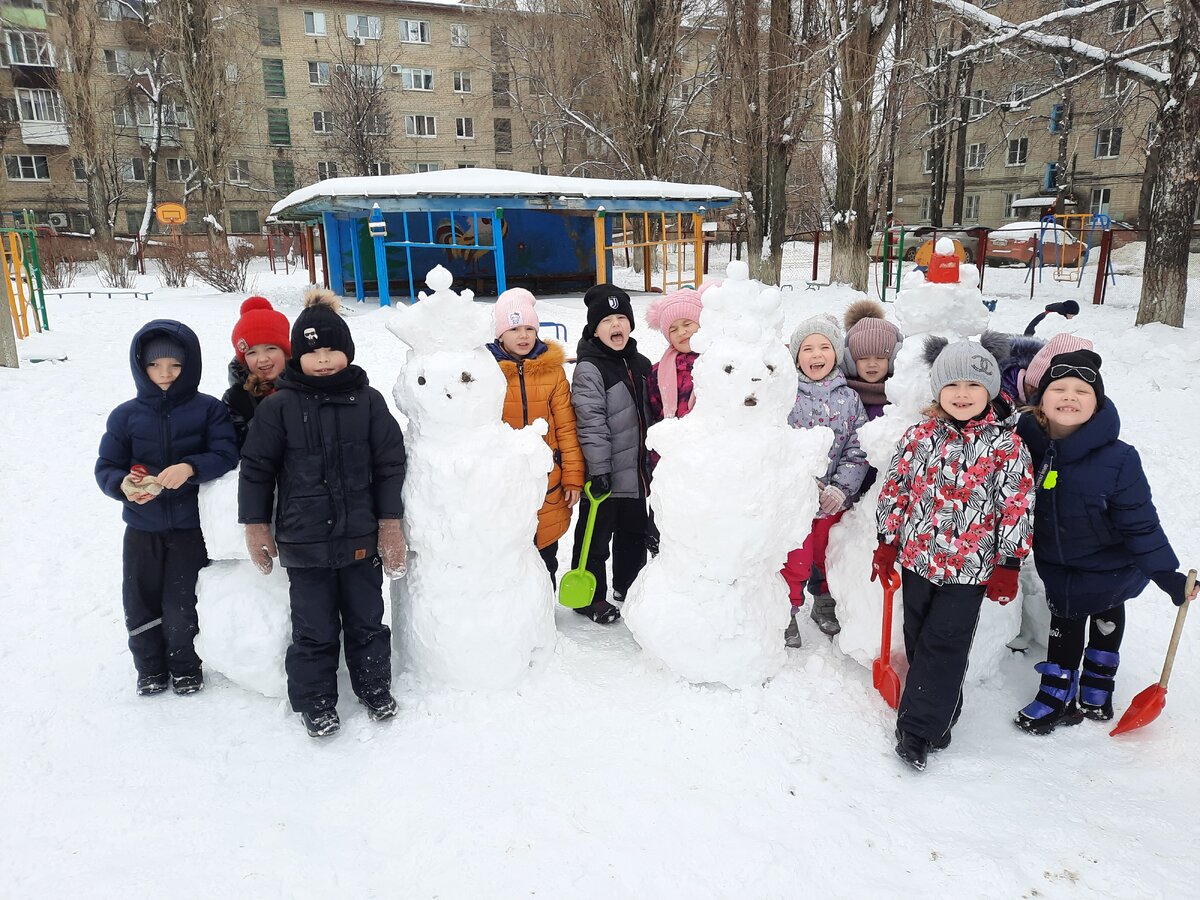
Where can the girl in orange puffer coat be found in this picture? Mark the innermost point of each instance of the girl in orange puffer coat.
(538, 389)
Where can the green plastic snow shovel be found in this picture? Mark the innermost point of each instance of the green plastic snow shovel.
(579, 585)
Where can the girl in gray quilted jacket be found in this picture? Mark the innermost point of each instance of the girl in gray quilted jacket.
(824, 399)
(608, 391)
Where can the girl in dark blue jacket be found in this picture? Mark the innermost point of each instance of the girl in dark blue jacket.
(1097, 541)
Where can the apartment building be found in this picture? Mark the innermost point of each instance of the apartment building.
(1020, 116)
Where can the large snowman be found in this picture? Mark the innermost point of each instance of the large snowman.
(952, 310)
(712, 605)
(476, 609)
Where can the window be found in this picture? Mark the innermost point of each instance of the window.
(39, 105)
(268, 26)
(243, 221)
(367, 76)
(971, 208)
(133, 169)
(500, 91)
(1050, 180)
(318, 73)
(133, 221)
(1018, 152)
(417, 79)
(365, 28)
(502, 128)
(380, 168)
(239, 171)
(935, 56)
(414, 31)
(460, 36)
(323, 122)
(464, 127)
(988, 53)
(1101, 197)
(425, 167)
(935, 114)
(976, 155)
(1062, 65)
(314, 23)
(122, 115)
(540, 170)
(1151, 133)
(465, 166)
(1108, 143)
(279, 130)
(326, 170)
(923, 216)
(1114, 85)
(27, 48)
(79, 169)
(109, 10)
(180, 169)
(116, 62)
(376, 123)
(979, 103)
(283, 172)
(273, 85)
(1125, 16)
(27, 168)
(1010, 210)
(462, 82)
(420, 126)
(231, 73)
(1016, 97)
(1056, 118)
(175, 113)
(927, 161)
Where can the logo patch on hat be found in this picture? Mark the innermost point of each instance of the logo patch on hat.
(981, 364)
(514, 318)
(242, 346)
(310, 335)
(613, 302)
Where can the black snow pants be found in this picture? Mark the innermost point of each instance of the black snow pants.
(325, 604)
(939, 626)
(158, 590)
(621, 521)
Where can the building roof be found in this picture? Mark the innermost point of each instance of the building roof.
(486, 188)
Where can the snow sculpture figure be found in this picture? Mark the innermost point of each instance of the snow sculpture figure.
(476, 608)
(733, 492)
(953, 311)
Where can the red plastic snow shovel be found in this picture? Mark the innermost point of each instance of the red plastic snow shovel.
(887, 682)
(1149, 703)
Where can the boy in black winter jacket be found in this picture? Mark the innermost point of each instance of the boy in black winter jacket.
(156, 450)
(608, 391)
(330, 443)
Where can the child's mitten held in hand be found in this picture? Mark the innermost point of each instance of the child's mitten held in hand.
(261, 545)
(1174, 585)
(883, 562)
(1002, 586)
(833, 498)
(392, 548)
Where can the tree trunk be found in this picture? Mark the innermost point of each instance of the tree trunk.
(965, 75)
(851, 228)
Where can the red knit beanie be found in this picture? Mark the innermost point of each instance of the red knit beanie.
(260, 324)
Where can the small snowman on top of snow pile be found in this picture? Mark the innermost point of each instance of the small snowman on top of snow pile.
(732, 494)
(476, 609)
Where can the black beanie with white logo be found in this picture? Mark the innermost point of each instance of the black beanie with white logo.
(603, 300)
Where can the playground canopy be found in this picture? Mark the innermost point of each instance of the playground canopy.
(494, 228)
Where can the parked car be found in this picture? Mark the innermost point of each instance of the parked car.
(1016, 243)
(917, 235)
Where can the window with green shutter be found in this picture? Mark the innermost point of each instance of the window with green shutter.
(243, 221)
(268, 26)
(279, 132)
(273, 83)
(284, 172)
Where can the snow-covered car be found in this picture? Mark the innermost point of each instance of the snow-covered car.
(1017, 242)
(917, 235)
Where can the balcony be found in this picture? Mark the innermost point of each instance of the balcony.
(22, 17)
(170, 135)
(45, 134)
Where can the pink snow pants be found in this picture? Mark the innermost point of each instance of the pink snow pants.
(800, 562)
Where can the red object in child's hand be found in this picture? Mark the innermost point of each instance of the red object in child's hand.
(139, 472)
(1002, 586)
(883, 563)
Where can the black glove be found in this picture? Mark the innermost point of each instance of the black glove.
(601, 484)
(1173, 584)
(652, 539)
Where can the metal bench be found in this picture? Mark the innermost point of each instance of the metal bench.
(103, 292)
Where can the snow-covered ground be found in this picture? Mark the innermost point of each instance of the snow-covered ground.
(602, 776)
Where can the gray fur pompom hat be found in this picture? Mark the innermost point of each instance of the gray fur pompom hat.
(961, 361)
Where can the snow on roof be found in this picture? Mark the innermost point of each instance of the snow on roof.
(1040, 201)
(495, 183)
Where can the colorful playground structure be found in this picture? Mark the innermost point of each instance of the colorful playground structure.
(21, 270)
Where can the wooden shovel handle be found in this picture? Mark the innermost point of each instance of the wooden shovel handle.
(1178, 631)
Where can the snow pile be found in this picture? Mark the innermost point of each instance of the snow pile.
(732, 495)
(953, 311)
(476, 609)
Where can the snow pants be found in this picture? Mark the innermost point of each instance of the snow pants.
(1065, 644)
(621, 521)
(549, 555)
(939, 626)
(158, 591)
(800, 563)
(327, 603)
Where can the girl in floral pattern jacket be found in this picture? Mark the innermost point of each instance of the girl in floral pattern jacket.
(955, 508)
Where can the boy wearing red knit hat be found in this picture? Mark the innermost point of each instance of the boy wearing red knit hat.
(261, 347)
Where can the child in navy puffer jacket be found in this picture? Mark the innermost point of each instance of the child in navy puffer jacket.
(824, 399)
(1097, 541)
(177, 438)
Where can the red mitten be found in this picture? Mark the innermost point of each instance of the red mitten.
(1002, 586)
(883, 563)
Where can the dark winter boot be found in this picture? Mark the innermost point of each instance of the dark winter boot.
(148, 685)
(380, 705)
(791, 637)
(912, 748)
(824, 614)
(1097, 682)
(323, 723)
(188, 684)
(1054, 704)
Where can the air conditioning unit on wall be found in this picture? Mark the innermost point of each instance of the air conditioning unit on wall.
(59, 220)
(396, 69)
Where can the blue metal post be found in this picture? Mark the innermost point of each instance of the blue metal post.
(412, 287)
(378, 234)
(498, 249)
(333, 253)
(356, 253)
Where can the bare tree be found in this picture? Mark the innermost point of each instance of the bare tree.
(360, 100)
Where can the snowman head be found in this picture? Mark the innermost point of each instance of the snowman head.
(745, 380)
(462, 389)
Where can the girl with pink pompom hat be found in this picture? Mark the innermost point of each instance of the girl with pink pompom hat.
(677, 316)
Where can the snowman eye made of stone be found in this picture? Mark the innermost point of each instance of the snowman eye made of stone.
(420, 379)
(770, 368)
(467, 377)
(728, 370)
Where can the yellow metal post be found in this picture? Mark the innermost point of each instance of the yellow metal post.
(646, 278)
(15, 278)
(698, 243)
(601, 266)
